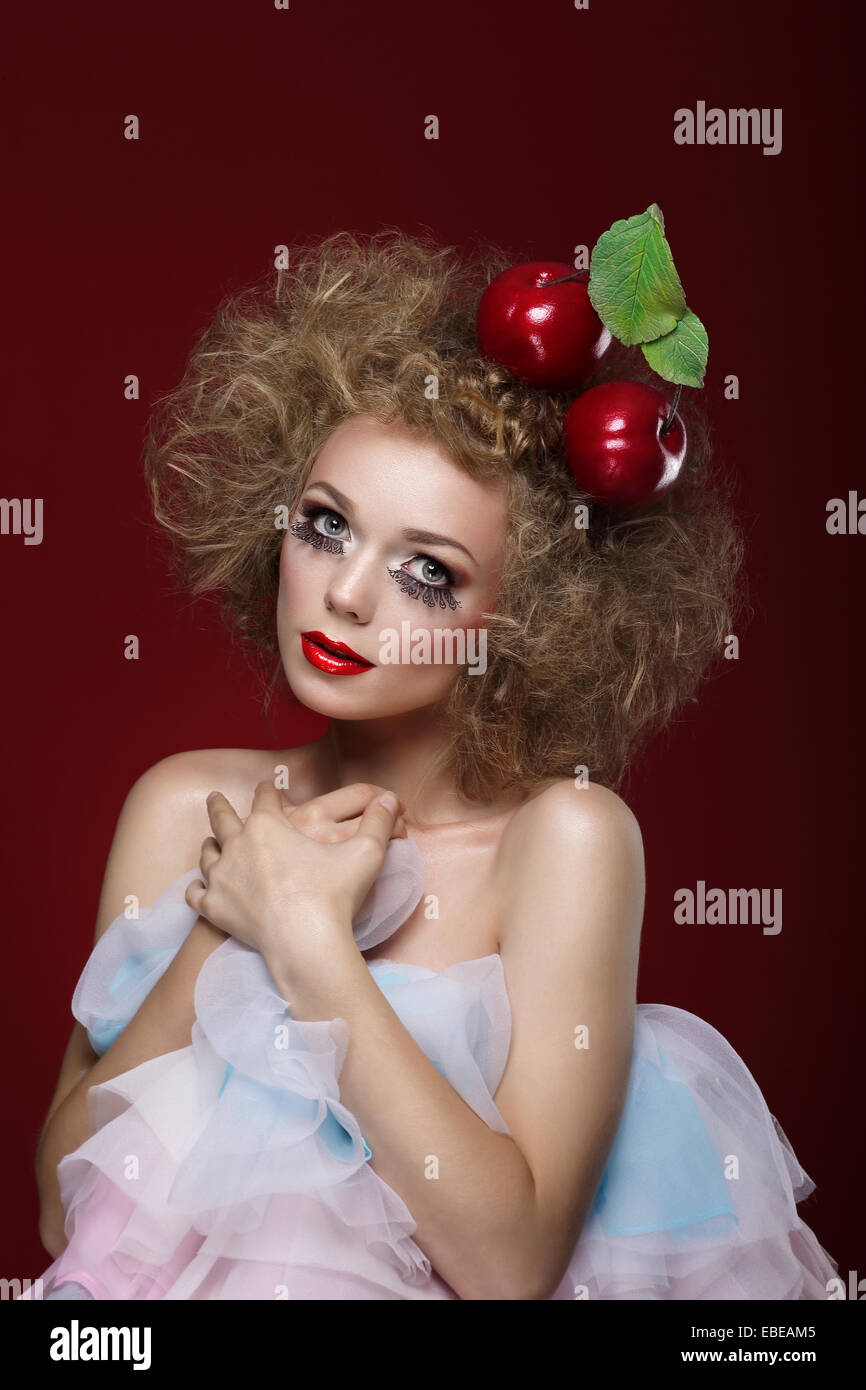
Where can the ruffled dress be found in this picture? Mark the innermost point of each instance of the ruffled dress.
(231, 1169)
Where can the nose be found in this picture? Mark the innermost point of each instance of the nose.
(350, 592)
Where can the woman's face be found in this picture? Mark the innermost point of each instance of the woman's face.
(357, 568)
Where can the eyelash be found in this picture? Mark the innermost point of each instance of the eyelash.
(411, 585)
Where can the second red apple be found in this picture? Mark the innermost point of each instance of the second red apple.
(617, 446)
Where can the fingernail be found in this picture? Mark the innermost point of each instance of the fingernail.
(389, 801)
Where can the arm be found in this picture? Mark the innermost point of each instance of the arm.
(147, 853)
(503, 1216)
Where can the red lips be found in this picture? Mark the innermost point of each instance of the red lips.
(334, 657)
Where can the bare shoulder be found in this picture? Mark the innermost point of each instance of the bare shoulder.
(187, 777)
(581, 845)
(590, 816)
(164, 819)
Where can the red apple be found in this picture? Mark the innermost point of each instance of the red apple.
(550, 338)
(615, 446)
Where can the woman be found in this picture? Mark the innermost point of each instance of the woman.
(379, 1048)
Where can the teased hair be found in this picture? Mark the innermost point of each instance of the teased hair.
(598, 635)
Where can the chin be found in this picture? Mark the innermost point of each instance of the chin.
(344, 697)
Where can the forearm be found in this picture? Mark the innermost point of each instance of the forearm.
(469, 1188)
(162, 1024)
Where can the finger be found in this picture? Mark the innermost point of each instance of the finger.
(194, 895)
(344, 803)
(378, 820)
(267, 798)
(210, 853)
(224, 819)
(339, 831)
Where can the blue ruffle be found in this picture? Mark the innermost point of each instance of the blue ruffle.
(136, 967)
(662, 1172)
(334, 1135)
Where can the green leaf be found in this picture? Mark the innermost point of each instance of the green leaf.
(633, 284)
(681, 355)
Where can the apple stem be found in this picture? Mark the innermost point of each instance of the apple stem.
(562, 281)
(672, 412)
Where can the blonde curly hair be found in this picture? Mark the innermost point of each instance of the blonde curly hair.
(599, 634)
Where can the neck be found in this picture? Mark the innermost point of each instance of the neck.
(396, 753)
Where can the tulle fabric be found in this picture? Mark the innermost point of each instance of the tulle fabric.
(699, 1196)
(231, 1169)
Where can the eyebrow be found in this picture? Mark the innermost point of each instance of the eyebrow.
(412, 534)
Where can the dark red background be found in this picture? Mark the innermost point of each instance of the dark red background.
(260, 127)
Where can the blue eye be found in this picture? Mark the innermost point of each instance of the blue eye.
(326, 529)
(432, 594)
(326, 517)
(323, 537)
(444, 579)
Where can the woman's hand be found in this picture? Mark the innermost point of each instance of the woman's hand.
(291, 878)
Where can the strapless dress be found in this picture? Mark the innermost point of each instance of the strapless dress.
(230, 1168)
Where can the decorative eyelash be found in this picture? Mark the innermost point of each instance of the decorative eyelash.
(306, 531)
(430, 593)
(415, 588)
